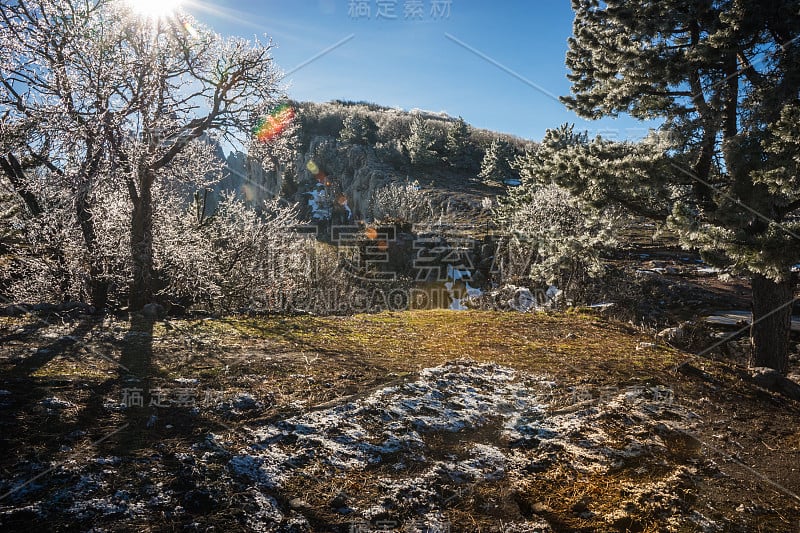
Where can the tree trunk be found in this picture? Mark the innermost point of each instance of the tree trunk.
(98, 286)
(772, 311)
(142, 245)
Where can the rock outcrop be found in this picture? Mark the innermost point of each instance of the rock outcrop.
(348, 173)
(351, 169)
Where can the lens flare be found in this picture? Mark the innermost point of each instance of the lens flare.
(275, 123)
(191, 30)
(322, 178)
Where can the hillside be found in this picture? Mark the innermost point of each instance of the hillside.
(361, 147)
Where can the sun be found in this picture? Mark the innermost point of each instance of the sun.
(155, 8)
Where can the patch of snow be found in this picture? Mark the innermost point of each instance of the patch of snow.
(89, 483)
(112, 460)
(36, 509)
(319, 203)
(56, 404)
(536, 525)
(496, 423)
(523, 300)
(705, 524)
(602, 306)
(245, 401)
(553, 293)
(454, 275)
(460, 397)
(263, 512)
(455, 305)
(114, 405)
(473, 292)
(97, 506)
(360, 433)
(254, 468)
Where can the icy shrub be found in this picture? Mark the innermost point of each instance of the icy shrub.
(236, 258)
(401, 202)
(47, 259)
(552, 239)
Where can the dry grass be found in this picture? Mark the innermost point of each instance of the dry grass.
(294, 364)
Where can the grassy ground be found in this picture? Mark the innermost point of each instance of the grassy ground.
(743, 453)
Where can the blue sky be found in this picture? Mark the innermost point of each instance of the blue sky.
(445, 62)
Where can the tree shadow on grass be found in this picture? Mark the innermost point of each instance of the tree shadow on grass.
(22, 412)
(61, 346)
(137, 372)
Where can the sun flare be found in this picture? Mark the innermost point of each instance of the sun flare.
(155, 8)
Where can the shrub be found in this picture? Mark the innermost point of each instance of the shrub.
(401, 202)
(553, 238)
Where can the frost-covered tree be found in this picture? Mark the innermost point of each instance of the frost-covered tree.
(401, 202)
(496, 164)
(48, 261)
(13, 206)
(458, 147)
(420, 142)
(44, 258)
(94, 92)
(551, 235)
(358, 130)
(10, 211)
(724, 76)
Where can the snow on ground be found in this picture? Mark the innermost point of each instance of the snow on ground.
(320, 203)
(423, 445)
(390, 431)
(464, 292)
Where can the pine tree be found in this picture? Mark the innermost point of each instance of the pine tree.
(552, 236)
(358, 130)
(458, 147)
(725, 78)
(496, 165)
(420, 142)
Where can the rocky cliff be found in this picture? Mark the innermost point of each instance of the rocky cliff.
(343, 174)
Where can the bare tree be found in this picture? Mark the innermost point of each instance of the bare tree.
(94, 92)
